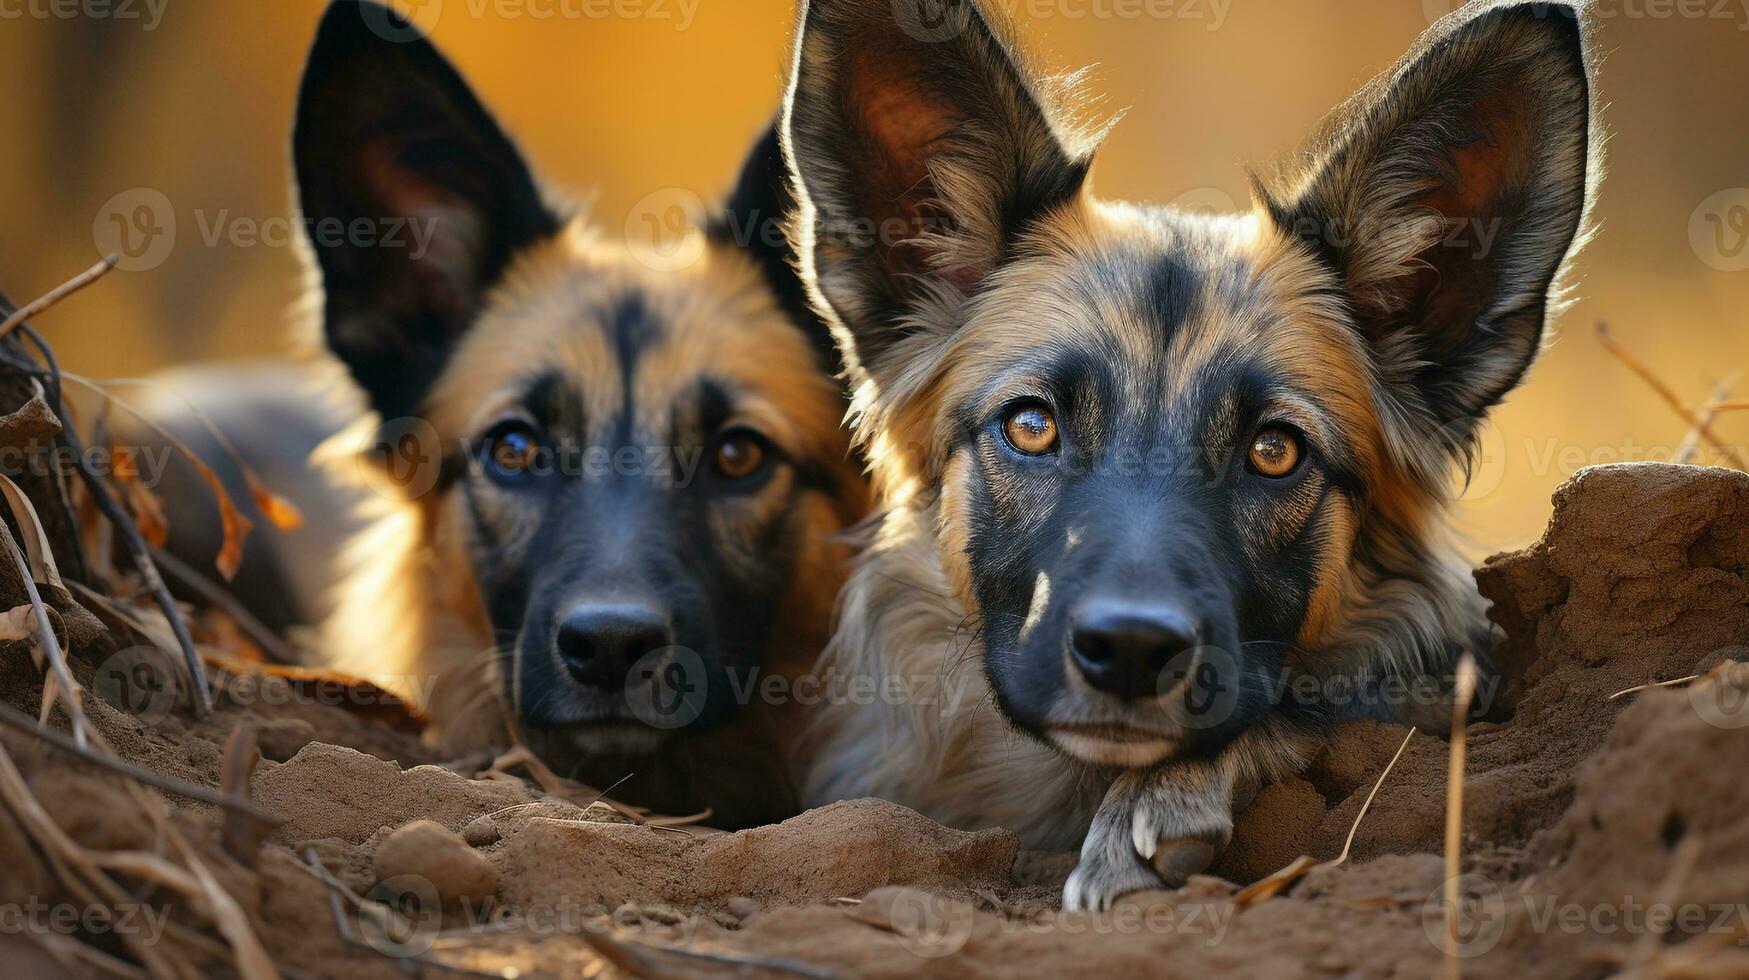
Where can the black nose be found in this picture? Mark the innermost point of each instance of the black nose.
(1122, 648)
(599, 642)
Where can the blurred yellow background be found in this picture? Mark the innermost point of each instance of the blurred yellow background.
(194, 101)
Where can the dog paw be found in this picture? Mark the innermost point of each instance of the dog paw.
(1104, 875)
(1179, 837)
(1156, 835)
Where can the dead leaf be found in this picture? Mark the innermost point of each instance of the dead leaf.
(18, 623)
(280, 512)
(145, 506)
(36, 541)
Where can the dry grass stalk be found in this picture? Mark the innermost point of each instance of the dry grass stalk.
(55, 295)
(1707, 414)
(1303, 865)
(234, 525)
(280, 512)
(82, 875)
(584, 796)
(242, 837)
(64, 686)
(118, 517)
(1454, 808)
(1670, 397)
(13, 718)
(1678, 682)
(339, 896)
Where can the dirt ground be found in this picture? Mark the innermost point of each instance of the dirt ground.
(1602, 835)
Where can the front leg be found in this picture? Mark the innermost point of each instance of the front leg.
(1155, 828)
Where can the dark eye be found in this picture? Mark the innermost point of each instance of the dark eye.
(1030, 429)
(1276, 452)
(510, 450)
(740, 454)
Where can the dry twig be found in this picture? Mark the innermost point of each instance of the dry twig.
(13, 718)
(1707, 414)
(55, 295)
(1454, 808)
(1669, 396)
(67, 688)
(1303, 865)
(119, 518)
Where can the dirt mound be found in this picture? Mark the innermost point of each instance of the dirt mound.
(1600, 833)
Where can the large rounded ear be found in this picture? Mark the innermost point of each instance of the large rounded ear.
(1448, 194)
(413, 199)
(923, 147)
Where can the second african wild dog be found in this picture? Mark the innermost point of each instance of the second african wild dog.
(623, 483)
(1138, 467)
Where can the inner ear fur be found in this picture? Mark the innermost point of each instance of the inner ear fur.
(920, 148)
(1448, 194)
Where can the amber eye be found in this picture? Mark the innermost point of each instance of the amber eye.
(1031, 429)
(740, 454)
(1276, 452)
(511, 448)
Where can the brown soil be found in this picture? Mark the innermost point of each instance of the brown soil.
(1600, 835)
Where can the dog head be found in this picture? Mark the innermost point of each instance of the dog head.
(624, 474)
(1165, 453)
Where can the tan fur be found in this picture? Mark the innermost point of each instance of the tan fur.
(409, 614)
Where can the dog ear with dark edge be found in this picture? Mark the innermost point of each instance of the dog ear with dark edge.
(923, 147)
(389, 139)
(1448, 195)
(755, 218)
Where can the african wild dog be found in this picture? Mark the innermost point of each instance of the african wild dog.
(1138, 466)
(624, 481)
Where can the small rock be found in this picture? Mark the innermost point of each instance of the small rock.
(481, 831)
(439, 855)
(740, 906)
